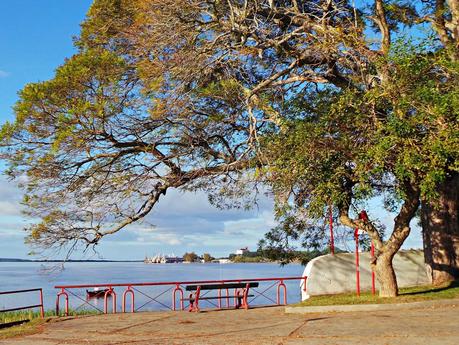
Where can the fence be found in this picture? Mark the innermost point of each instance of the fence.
(166, 295)
(40, 305)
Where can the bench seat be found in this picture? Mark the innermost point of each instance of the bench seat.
(240, 295)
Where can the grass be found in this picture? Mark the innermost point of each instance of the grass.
(32, 327)
(22, 315)
(406, 295)
(32, 321)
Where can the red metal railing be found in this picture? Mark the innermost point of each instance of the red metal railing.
(40, 305)
(177, 293)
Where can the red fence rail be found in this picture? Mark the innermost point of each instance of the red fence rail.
(175, 288)
(40, 305)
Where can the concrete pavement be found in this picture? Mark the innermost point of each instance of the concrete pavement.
(423, 324)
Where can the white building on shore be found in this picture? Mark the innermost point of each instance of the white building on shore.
(242, 251)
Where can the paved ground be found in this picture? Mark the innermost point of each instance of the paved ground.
(427, 324)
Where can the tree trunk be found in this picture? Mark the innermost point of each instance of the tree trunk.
(440, 228)
(386, 276)
(385, 251)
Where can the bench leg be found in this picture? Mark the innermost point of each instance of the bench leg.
(238, 299)
(194, 306)
(245, 295)
(244, 300)
(190, 309)
(194, 302)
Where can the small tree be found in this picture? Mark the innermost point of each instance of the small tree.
(207, 257)
(190, 257)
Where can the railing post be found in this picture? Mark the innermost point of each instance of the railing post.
(281, 284)
(219, 298)
(62, 293)
(179, 289)
(112, 293)
(42, 308)
(123, 306)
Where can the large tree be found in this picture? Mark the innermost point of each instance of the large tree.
(167, 94)
(440, 212)
(277, 50)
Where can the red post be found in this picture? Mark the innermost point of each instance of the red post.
(219, 298)
(332, 238)
(42, 308)
(373, 288)
(357, 263)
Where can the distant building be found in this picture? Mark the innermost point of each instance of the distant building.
(223, 261)
(242, 251)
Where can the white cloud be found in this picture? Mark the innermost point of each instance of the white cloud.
(10, 198)
(4, 74)
(9, 208)
(181, 222)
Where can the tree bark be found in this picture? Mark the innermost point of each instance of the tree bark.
(386, 276)
(440, 228)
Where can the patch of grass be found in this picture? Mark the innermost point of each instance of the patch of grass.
(22, 315)
(32, 327)
(33, 320)
(35, 314)
(406, 295)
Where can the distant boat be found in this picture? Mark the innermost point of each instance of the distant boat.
(96, 293)
(172, 260)
(223, 261)
(163, 259)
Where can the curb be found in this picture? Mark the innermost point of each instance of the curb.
(371, 307)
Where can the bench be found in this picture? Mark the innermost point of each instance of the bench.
(241, 293)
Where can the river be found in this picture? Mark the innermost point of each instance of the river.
(25, 275)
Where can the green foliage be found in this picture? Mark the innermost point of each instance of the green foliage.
(104, 21)
(248, 259)
(190, 257)
(342, 147)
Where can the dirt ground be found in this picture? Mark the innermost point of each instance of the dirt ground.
(432, 324)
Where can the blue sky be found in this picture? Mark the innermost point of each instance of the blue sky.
(35, 38)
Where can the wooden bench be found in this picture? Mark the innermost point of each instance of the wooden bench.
(241, 293)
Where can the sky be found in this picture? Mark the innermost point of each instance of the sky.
(35, 38)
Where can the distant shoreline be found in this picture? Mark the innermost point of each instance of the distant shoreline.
(72, 260)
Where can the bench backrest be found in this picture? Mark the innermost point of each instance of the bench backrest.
(222, 286)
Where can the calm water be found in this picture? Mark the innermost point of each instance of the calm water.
(14, 276)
